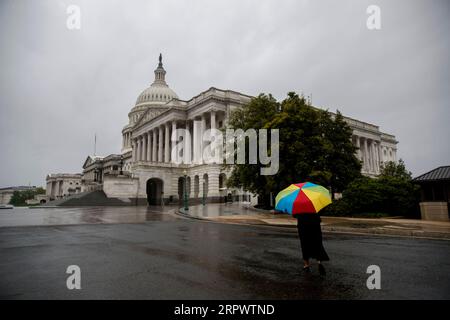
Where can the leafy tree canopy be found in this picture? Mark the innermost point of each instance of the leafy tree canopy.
(314, 145)
(395, 170)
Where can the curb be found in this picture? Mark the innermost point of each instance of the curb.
(344, 230)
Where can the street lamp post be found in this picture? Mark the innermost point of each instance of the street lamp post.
(186, 206)
(121, 165)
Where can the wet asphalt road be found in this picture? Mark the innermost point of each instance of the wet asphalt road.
(166, 257)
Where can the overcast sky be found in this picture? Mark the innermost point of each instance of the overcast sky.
(58, 86)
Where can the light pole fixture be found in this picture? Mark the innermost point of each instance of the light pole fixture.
(185, 198)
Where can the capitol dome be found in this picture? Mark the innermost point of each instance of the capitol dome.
(159, 92)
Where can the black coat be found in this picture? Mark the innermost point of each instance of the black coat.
(310, 233)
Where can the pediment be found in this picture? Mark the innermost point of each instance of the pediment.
(87, 162)
(150, 114)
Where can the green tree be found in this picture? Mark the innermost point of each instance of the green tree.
(313, 146)
(391, 193)
(19, 197)
(395, 169)
(255, 115)
(339, 156)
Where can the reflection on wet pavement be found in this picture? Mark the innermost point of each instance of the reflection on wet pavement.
(83, 215)
(215, 210)
(192, 259)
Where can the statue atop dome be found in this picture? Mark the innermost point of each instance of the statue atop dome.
(159, 92)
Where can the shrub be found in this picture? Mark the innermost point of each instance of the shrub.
(387, 195)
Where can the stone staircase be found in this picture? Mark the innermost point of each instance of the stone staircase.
(90, 198)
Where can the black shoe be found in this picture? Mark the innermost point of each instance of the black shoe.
(307, 269)
(322, 270)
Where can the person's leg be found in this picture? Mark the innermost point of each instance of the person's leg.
(321, 268)
(306, 263)
(306, 267)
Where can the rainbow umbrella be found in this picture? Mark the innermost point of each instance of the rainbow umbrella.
(303, 197)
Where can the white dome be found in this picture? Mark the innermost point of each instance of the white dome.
(156, 94)
(159, 92)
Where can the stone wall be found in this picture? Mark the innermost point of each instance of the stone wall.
(437, 211)
(120, 186)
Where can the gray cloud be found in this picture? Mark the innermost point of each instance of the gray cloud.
(59, 87)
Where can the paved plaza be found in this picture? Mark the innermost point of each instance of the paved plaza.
(150, 253)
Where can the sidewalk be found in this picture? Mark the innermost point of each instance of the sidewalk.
(241, 214)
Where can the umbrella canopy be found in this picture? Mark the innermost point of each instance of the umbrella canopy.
(303, 197)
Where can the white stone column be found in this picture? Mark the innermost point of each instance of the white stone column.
(202, 132)
(213, 119)
(138, 153)
(174, 151)
(377, 158)
(379, 155)
(167, 143)
(358, 145)
(366, 157)
(187, 144)
(374, 153)
(160, 146)
(141, 153)
(375, 162)
(144, 147)
(154, 146)
(137, 149)
(196, 142)
(149, 149)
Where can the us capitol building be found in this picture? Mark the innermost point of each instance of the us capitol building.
(144, 169)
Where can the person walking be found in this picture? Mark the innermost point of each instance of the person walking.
(310, 234)
(304, 201)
